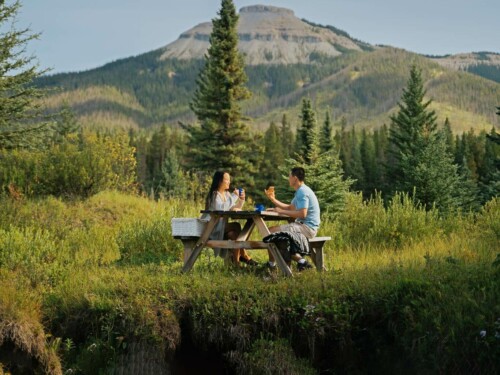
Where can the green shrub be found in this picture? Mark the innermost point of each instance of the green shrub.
(365, 223)
(79, 166)
(31, 251)
(144, 241)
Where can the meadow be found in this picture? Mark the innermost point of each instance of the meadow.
(95, 286)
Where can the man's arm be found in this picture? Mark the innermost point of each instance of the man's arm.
(292, 212)
(276, 202)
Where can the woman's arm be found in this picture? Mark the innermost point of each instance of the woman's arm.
(239, 201)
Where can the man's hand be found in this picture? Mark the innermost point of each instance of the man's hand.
(270, 194)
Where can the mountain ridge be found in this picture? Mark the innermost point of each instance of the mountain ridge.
(267, 35)
(361, 84)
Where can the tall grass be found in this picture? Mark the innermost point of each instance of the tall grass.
(405, 289)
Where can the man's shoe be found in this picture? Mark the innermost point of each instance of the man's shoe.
(270, 266)
(304, 266)
(249, 262)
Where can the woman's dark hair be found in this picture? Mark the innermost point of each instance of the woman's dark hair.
(299, 173)
(216, 181)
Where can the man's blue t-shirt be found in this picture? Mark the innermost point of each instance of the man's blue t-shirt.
(305, 198)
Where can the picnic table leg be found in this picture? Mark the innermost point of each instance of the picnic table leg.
(246, 231)
(318, 256)
(264, 231)
(279, 259)
(189, 263)
(188, 248)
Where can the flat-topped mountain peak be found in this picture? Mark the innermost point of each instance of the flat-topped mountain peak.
(267, 35)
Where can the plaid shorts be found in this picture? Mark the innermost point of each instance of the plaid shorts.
(297, 227)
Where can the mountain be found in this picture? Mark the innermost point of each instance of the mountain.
(287, 59)
(268, 35)
(484, 64)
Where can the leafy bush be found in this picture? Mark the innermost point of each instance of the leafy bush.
(80, 166)
(149, 241)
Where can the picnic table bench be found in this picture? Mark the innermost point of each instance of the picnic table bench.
(194, 244)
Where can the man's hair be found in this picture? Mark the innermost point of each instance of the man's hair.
(299, 173)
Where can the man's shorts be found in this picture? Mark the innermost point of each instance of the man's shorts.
(297, 227)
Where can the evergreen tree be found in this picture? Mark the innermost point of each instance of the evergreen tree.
(355, 165)
(326, 178)
(411, 126)
(381, 143)
(423, 163)
(369, 163)
(432, 175)
(287, 138)
(174, 181)
(450, 140)
(326, 140)
(489, 181)
(157, 150)
(273, 154)
(222, 140)
(307, 138)
(21, 124)
(66, 123)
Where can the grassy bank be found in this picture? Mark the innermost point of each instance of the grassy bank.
(84, 283)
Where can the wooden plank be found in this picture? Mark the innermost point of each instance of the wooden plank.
(188, 247)
(246, 231)
(228, 244)
(279, 260)
(261, 226)
(313, 254)
(319, 259)
(200, 244)
(319, 239)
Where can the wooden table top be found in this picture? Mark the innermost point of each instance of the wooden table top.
(267, 215)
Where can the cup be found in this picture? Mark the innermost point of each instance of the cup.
(260, 207)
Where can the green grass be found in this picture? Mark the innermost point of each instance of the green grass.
(405, 289)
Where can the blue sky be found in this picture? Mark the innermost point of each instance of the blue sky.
(83, 34)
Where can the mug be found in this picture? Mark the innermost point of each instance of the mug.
(260, 207)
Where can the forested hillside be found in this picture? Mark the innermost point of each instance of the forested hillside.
(363, 87)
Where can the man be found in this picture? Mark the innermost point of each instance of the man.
(304, 208)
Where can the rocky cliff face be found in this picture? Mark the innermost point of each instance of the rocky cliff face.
(268, 35)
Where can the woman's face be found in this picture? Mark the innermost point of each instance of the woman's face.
(226, 180)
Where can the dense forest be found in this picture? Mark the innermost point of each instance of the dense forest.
(363, 87)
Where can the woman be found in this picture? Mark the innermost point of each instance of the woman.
(219, 199)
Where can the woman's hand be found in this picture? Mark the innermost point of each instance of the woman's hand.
(235, 209)
(242, 196)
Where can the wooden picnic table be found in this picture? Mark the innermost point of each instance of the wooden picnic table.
(193, 246)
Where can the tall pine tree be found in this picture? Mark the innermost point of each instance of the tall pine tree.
(410, 125)
(307, 137)
(287, 137)
(422, 162)
(21, 124)
(222, 139)
(326, 136)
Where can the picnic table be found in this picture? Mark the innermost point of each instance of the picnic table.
(193, 245)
